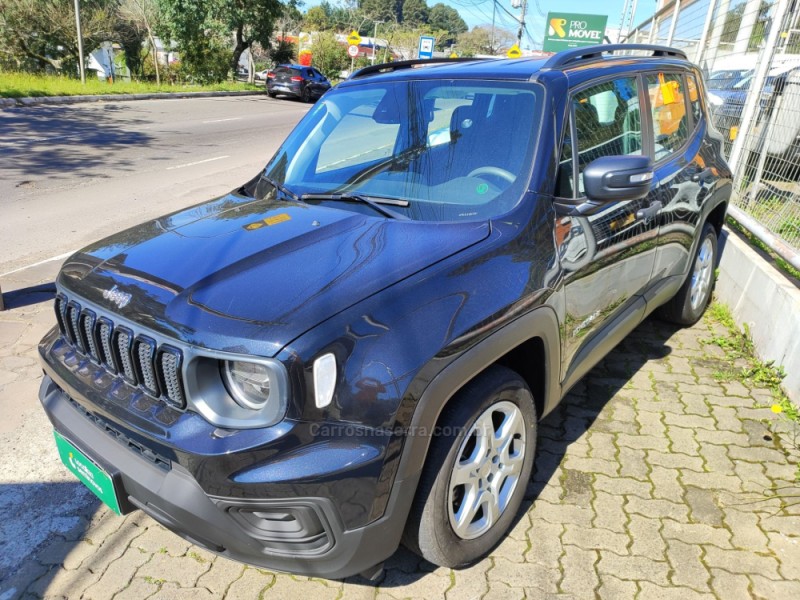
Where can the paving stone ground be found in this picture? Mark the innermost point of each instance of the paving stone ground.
(652, 480)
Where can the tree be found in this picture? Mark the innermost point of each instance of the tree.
(447, 19)
(405, 41)
(251, 21)
(328, 55)
(388, 11)
(415, 13)
(282, 52)
(142, 16)
(479, 41)
(41, 33)
(202, 29)
(346, 16)
(316, 19)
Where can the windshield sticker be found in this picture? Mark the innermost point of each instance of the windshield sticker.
(482, 188)
(281, 218)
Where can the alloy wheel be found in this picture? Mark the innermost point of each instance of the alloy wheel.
(487, 470)
(701, 277)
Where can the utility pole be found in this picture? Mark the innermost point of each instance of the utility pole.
(80, 40)
(375, 40)
(522, 22)
(494, 12)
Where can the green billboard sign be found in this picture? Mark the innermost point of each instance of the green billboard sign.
(570, 30)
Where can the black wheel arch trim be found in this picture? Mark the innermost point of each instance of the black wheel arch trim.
(540, 323)
(720, 198)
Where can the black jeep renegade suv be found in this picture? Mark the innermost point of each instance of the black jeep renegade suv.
(355, 347)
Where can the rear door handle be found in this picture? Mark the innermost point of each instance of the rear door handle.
(646, 214)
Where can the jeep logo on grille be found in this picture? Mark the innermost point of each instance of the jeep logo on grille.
(118, 297)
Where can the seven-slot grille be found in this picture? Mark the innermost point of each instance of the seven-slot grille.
(138, 359)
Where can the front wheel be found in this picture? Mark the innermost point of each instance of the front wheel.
(477, 470)
(689, 304)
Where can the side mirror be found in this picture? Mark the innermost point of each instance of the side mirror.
(618, 178)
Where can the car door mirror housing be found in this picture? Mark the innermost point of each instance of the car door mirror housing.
(618, 178)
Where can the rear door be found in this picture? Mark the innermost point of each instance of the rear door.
(607, 254)
(686, 167)
(319, 81)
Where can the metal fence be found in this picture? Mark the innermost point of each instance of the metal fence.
(749, 51)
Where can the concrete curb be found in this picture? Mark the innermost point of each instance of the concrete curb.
(33, 101)
(766, 301)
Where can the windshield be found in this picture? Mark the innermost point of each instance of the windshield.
(450, 150)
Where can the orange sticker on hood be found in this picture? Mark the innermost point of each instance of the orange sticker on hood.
(274, 220)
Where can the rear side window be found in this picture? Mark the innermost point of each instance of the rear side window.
(694, 98)
(668, 108)
(607, 123)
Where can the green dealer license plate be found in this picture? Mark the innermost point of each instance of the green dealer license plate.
(92, 476)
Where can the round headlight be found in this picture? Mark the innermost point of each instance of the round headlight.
(247, 382)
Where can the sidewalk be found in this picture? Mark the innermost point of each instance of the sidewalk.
(12, 102)
(653, 480)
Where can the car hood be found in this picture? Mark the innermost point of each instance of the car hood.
(269, 268)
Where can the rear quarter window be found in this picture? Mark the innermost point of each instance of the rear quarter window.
(668, 108)
(695, 102)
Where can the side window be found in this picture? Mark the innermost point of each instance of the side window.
(694, 98)
(564, 178)
(668, 107)
(607, 122)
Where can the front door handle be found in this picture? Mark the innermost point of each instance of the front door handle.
(646, 214)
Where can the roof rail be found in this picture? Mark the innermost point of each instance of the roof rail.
(566, 57)
(405, 64)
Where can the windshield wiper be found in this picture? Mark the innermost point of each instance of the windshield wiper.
(403, 159)
(281, 188)
(377, 204)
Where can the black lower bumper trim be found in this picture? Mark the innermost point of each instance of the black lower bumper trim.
(302, 536)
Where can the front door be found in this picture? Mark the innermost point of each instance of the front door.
(607, 252)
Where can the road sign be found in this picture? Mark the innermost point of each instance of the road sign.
(353, 39)
(514, 52)
(352, 51)
(426, 46)
(569, 30)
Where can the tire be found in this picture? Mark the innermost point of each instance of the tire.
(496, 398)
(305, 96)
(689, 304)
(271, 94)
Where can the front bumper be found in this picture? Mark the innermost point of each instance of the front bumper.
(302, 535)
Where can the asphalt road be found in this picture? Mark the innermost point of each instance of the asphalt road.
(72, 174)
